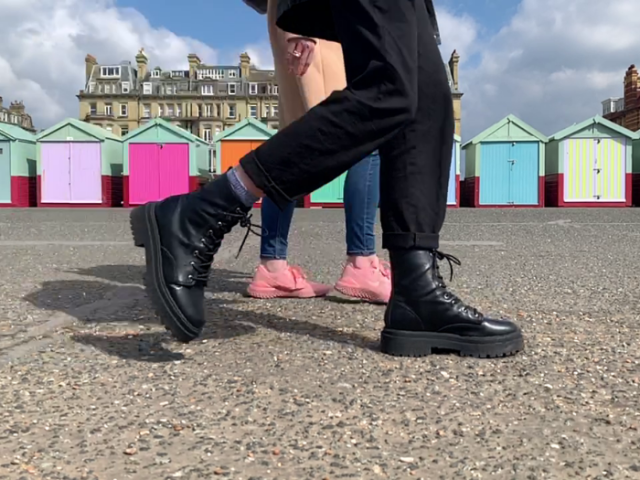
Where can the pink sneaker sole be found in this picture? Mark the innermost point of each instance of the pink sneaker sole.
(361, 294)
(266, 293)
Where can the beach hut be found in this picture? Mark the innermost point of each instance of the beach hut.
(453, 194)
(635, 171)
(234, 143)
(331, 195)
(590, 165)
(17, 167)
(505, 166)
(79, 165)
(161, 160)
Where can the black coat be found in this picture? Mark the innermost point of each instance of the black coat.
(312, 18)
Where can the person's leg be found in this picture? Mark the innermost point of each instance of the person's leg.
(361, 199)
(275, 230)
(422, 314)
(182, 234)
(274, 277)
(364, 275)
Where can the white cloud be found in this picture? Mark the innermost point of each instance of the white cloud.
(45, 41)
(551, 65)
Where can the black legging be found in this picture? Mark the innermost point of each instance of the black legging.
(397, 100)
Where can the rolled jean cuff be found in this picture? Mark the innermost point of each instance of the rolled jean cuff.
(361, 253)
(410, 241)
(263, 181)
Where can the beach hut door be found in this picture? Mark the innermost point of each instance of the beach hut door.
(5, 172)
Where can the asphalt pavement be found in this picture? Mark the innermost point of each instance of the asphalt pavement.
(91, 387)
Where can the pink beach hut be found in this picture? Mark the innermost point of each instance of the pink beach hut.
(161, 160)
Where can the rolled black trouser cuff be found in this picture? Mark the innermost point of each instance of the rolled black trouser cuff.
(263, 181)
(410, 241)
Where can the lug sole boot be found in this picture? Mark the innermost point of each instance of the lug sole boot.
(180, 236)
(424, 317)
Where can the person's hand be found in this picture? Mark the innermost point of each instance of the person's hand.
(300, 52)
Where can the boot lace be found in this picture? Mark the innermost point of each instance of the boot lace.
(448, 295)
(213, 239)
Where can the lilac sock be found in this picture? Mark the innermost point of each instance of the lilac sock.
(245, 196)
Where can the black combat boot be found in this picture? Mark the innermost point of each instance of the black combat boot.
(423, 316)
(181, 235)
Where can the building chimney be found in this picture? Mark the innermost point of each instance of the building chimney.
(194, 61)
(0, 102)
(89, 62)
(17, 108)
(630, 87)
(142, 60)
(245, 64)
(453, 66)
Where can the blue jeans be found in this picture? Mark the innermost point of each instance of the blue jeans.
(361, 197)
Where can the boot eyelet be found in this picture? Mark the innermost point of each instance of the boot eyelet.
(193, 264)
(190, 277)
(195, 253)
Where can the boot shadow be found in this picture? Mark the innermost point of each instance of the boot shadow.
(226, 323)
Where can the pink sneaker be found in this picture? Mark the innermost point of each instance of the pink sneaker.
(290, 282)
(366, 278)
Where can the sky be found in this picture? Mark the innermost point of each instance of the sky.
(550, 63)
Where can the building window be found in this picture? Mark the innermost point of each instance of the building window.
(155, 73)
(170, 112)
(232, 88)
(218, 74)
(217, 130)
(275, 90)
(108, 109)
(146, 110)
(107, 88)
(274, 110)
(110, 72)
(92, 87)
(207, 110)
(170, 89)
(125, 87)
(207, 89)
(265, 111)
(124, 130)
(146, 88)
(93, 108)
(206, 135)
(232, 110)
(123, 109)
(253, 111)
(178, 110)
(177, 73)
(253, 89)
(160, 111)
(233, 74)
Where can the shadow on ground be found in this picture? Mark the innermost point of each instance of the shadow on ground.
(128, 304)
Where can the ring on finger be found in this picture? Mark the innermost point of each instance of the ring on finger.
(295, 53)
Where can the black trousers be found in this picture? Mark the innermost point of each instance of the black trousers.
(397, 100)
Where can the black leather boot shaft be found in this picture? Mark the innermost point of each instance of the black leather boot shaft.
(423, 315)
(181, 235)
